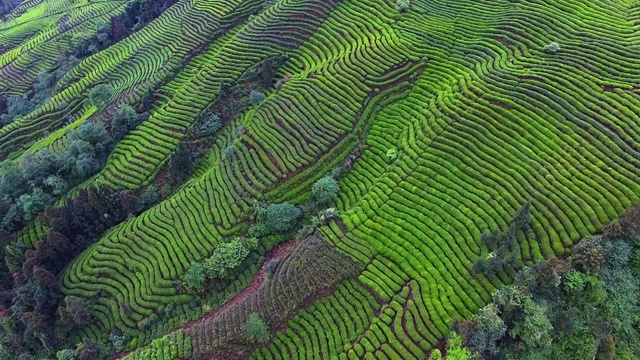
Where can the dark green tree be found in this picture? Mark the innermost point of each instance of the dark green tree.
(325, 190)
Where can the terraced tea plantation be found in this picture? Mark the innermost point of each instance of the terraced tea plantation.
(298, 179)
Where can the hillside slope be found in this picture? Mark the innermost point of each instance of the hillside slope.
(446, 117)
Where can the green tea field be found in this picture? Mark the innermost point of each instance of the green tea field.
(301, 179)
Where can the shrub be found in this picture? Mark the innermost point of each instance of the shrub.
(118, 340)
(271, 266)
(66, 354)
(256, 97)
(306, 231)
(392, 154)
(436, 354)
(403, 5)
(256, 329)
(281, 217)
(211, 125)
(195, 276)
(552, 47)
(229, 151)
(325, 190)
(456, 349)
(101, 95)
(327, 215)
(150, 196)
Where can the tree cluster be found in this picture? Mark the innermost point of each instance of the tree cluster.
(13, 107)
(6, 6)
(583, 307)
(39, 316)
(226, 257)
(38, 179)
(136, 15)
(274, 219)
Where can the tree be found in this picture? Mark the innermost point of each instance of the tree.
(211, 125)
(95, 134)
(101, 95)
(268, 72)
(102, 33)
(124, 119)
(256, 97)
(510, 301)
(11, 181)
(36, 167)
(181, 164)
(280, 218)
(226, 257)
(129, 202)
(552, 48)
(118, 340)
(325, 190)
(148, 98)
(16, 106)
(256, 329)
(535, 329)
(57, 184)
(490, 329)
(33, 202)
(588, 255)
(455, 348)
(88, 350)
(76, 311)
(195, 277)
(150, 196)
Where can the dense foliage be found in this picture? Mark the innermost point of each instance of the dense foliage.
(581, 307)
(38, 179)
(40, 317)
(325, 190)
(226, 257)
